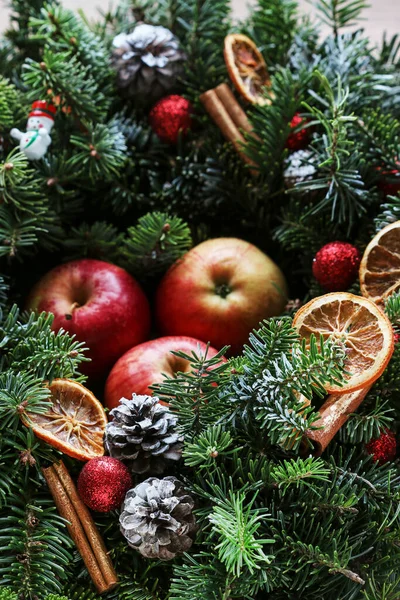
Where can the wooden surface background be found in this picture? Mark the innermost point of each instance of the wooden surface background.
(382, 15)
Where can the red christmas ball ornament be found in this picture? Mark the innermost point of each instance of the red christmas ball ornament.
(384, 448)
(103, 483)
(170, 116)
(335, 266)
(387, 183)
(298, 140)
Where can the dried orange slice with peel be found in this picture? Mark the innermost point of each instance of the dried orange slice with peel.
(74, 423)
(380, 265)
(360, 325)
(246, 68)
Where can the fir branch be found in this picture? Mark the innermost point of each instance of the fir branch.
(192, 394)
(392, 309)
(367, 424)
(99, 240)
(33, 546)
(338, 180)
(236, 526)
(340, 13)
(102, 150)
(155, 243)
(205, 449)
(389, 213)
(74, 88)
(299, 472)
(273, 26)
(20, 395)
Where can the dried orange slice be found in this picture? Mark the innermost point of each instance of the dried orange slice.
(247, 68)
(74, 423)
(360, 325)
(380, 265)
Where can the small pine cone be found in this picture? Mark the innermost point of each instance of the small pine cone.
(143, 435)
(148, 62)
(157, 518)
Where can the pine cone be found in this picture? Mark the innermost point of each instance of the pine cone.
(148, 62)
(142, 434)
(157, 518)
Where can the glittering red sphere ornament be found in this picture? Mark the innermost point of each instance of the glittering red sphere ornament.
(335, 266)
(103, 483)
(298, 140)
(384, 448)
(170, 116)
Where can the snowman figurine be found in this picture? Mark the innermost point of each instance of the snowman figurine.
(35, 141)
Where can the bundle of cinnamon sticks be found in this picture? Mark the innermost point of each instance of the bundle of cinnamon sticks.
(81, 527)
(224, 109)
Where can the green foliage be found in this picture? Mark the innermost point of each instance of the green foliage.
(34, 547)
(237, 526)
(340, 13)
(155, 243)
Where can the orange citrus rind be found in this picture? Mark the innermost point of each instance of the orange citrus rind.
(247, 68)
(74, 423)
(380, 265)
(359, 325)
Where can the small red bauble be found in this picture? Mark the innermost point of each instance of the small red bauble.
(170, 116)
(389, 188)
(335, 266)
(298, 140)
(384, 448)
(103, 483)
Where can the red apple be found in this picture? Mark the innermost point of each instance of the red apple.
(219, 292)
(100, 303)
(146, 364)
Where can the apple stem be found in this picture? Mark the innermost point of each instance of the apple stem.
(75, 305)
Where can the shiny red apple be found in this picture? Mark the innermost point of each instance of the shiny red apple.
(147, 363)
(219, 292)
(99, 302)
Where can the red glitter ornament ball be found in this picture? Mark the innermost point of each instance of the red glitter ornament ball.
(103, 483)
(298, 140)
(335, 266)
(170, 116)
(384, 448)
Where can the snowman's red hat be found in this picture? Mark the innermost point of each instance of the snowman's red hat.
(41, 108)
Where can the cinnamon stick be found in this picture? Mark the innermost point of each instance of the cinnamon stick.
(94, 538)
(223, 119)
(67, 510)
(334, 414)
(233, 108)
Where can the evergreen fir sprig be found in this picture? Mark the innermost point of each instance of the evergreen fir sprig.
(338, 180)
(74, 88)
(152, 245)
(368, 423)
(389, 213)
(19, 397)
(18, 184)
(340, 13)
(62, 30)
(99, 240)
(34, 555)
(102, 150)
(209, 448)
(273, 26)
(298, 472)
(192, 394)
(392, 309)
(237, 526)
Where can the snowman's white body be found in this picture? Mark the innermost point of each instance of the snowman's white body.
(36, 139)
